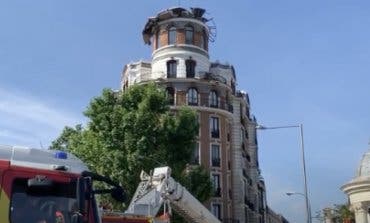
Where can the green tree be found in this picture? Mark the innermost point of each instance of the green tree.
(339, 213)
(343, 213)
(135, 130)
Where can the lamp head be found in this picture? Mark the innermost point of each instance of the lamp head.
(261, 127)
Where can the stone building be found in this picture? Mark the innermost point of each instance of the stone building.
(227, 143)
(272, 217)
(358, 191)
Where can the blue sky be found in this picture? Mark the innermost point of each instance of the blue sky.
(300, 61)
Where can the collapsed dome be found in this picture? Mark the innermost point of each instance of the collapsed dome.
(194, 16)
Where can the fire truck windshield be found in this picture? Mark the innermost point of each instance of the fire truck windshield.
(54, 203)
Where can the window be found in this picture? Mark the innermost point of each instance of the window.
(171, 69)
(28, 206)
(190, 68)
(214, 127)
(260, 200)
(213, 99)
(195, 155)
(170, 95)
(247, 113)
(192, 96)
(216, 210)
(215, 155)
(189, 35)
(248, 157)
(171, 35)
(216, 185)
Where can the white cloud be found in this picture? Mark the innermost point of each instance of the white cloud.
(28, 120)
(26, 107)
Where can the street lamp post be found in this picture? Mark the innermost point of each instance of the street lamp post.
(300, 126)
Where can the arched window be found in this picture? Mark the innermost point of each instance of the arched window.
(171, 35)
(213, 99)
(170, 95)
(214, 125)
(189, 35)
(192, 96)
(171, 69)
(190, 68)
(215, 155)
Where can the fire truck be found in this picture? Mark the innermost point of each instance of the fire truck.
(48, 186)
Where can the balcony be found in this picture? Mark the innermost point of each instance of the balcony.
(261, 210)
(192, 103)
(213, 105)
(194, 160)
(248, 203)
(230, 108)
(242, 94)
(215, 134)
(171, 101)
(217, 192)
(212, 77)
(216, 162)
(205, 101)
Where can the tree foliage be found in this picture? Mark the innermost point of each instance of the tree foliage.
(343, 213)
(135, 130)
(339, 213)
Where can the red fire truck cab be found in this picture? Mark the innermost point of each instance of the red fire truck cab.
(48, 186)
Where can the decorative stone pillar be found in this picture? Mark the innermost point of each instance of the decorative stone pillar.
(181, 68)
(360, 210)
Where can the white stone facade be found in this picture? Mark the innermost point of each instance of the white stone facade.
(358, 191)
(179, 54)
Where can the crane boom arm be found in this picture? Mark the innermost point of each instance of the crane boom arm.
(160, 188)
